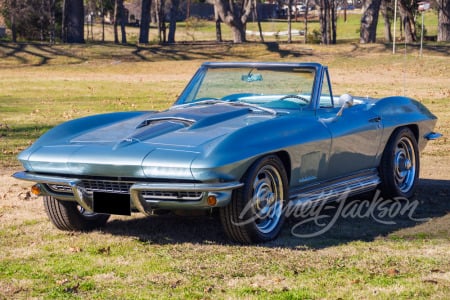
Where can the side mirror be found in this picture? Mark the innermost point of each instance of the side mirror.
(345, 100)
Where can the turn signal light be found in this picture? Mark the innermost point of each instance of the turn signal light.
(36, 190)
(211, 200)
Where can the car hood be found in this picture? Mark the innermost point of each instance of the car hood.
(161, 144)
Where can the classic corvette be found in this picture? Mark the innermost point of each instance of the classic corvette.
(250, 140)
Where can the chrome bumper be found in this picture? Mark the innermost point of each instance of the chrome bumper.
(144, 197)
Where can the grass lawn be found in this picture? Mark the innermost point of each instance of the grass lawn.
(189, 257)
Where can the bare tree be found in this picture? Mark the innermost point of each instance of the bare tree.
(235, 14)
(369, 21)
(144, 28)
(444, 21)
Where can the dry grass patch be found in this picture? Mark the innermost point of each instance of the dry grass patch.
(189, 257)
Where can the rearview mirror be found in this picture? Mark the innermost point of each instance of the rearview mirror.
(252, 77)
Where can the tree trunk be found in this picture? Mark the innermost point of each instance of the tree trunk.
(12, 15)
(258, 19)
(160, 16)
(305, 36)
(409, 25)
(444, 21)
(63, 22)
(173, 21)
(119, 19)
(115, 24)
(324, 19)
(218, 26)
(74, 21)
(123, 22)
(369, 21)
(234, 15)
(52, 22)
(333, 21)
(385, 11)
(289, 20)
(144, 28)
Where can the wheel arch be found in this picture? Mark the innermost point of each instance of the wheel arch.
(395, 180)
(286, 160)
(415, 130)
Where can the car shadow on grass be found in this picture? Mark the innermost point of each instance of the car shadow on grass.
(361, 218)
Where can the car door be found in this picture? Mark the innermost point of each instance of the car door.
(355, 134)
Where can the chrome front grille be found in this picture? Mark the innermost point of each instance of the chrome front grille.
(123, 187)
(171, 195)
(115, 187)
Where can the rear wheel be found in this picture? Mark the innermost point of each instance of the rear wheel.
(399, 168)
(256, 211)
(68, 215)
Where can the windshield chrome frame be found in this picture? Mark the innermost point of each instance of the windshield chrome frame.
(198, 76)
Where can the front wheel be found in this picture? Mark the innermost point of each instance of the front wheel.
(256, 212)
(68, 215)
(400, 164)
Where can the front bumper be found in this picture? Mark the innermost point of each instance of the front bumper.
(144, 196)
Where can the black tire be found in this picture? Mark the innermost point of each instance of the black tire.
(256, 212)
(400, 165)
(69, 216)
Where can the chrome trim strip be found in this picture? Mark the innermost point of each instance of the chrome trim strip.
(334, 191)
(187, 187)
(41, 178)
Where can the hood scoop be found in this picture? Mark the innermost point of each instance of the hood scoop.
(151, 128)
(186, 122)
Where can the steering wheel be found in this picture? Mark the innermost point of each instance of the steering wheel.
(294, 96)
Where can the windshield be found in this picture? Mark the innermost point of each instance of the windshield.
(273, 87)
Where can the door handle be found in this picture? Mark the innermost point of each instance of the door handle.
(375, 120)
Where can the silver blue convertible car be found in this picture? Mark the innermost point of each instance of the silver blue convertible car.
(250, 140)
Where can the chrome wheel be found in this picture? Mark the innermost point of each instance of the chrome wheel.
(255, 213)
(400, 165)
(267, 198)
(404, 165)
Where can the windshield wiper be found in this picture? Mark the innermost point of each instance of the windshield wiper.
(240, 103)
(233, 103)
